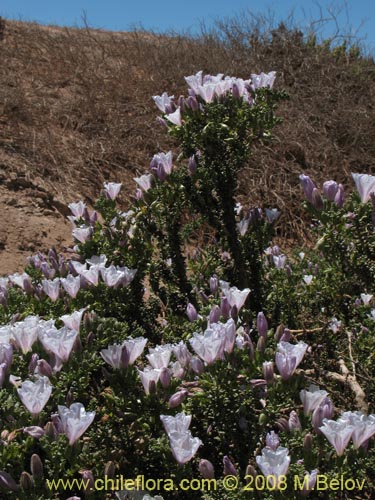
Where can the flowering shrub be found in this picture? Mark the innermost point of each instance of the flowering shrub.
(179, 342)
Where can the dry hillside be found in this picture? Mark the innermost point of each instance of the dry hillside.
(76, 109)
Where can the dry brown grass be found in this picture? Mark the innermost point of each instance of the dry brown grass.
(76, 108)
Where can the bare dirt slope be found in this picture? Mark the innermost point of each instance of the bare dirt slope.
(76, 110)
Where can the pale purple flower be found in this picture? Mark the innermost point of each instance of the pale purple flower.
(182, 353)
(365, 185)
(52, 288)
(272, 440)
(73, 321)
(82, 233)
(206, 469)
(59, 342)
(113, 355)
(339, 198)
(334, 325)
(363, 426)
(144, 182)
(161, 164)
(5, 334)
(91, 275)
(279, 261)
(71, 285)
(6, 356)
(366, 298)
(78, 209)
(263, 80)
(34, 395)
(134, 349)
(274, 462)
(127, 275)
(149, 378)
(288, 357)
(25, 333)
(112, 189)
(338, 434)
(325, 410)
(308, 186)
(95, 260)
(175, 117)
(7, 482)
(330, 189)
(236, 297)
(229, 468)
(112, 276)
(210, 346)
(164, 102)
(22, 280)
(309, 482)
(75, 420)
(178, 423)
(243, 226)
(34, 431)
(194, 81)
(207, 92)
(196, 365)
(307, 278)
(183, 446)
(311, 398)
(159, 356)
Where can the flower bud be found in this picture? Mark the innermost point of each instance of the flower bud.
(88, 478)
(191, 313)
(268, 371)
(262, 325)
(196, 365)
(214, 314)
(317, 200)
(339, 198)
(294, 423)
(44, 368)
(279, 332)
(50, 430)
(206, 469)
(229, 468)
(250, 471)
(177, 398)
(36, 466)
(110, 470)
(330, 190)
(33, 363)
(7, 482)
(308, 442)
(225, 308)
(26, 481)
(192, 165)
(272, 440)
(261, 345)
(165, 377)
(34, 431)
(285, 337)
(214, 284)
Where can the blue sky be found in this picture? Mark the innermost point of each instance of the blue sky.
(162, 15)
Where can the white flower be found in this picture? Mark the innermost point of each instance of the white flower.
(274, 462)
(73, 321)
(312, 398)
(178, 423)
(75, 420)
(365, 185)
(338, 434)
(34, 395)
(366, 298)
(59, 342)
(183, 446)
(236, 297)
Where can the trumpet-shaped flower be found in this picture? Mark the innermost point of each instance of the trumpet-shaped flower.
(365, 185)
(52, 288)
(209, 346)
(149, 378)
(236, 297)
(144, 181)
(82, 233)
(71, 285)
(312, 398)
(183, 446)
(164, 102)
(338, 434)
(160, 356)
(75, 420)
(73, 321)
(288, 357)
(34, 395)
(78, 209)
(114, 355)
(363, 426)
(175, 117)
(112, 189)
(134, 349)
(59, 342)
(263, 80)
(274, 462)
(25, 333)
(178, 423)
